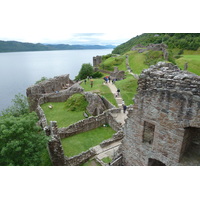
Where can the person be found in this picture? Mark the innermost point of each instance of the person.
(118, 92)
(124, 108)
(109, 79)
(123, 102)
(85, 81)
(91, 83)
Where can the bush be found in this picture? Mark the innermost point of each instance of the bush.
(86, 70)
(76, 102)
(97, 75)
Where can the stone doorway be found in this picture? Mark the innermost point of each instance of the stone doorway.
(191, 144)
(154, 162)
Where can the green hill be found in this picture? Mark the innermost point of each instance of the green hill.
(14, 46)
(187, 41)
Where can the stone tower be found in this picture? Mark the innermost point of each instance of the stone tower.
(163, 126)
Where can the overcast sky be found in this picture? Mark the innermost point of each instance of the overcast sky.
(89, 21)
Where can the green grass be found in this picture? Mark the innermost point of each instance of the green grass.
(107, 160)
(193, 63)
(100, 89)
(112, 62)
(136, 61)
(81, 142)
(60, 114)
(128, 88)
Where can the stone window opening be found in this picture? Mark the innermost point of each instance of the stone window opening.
(191, 143)
(154, 162)
(148, 133)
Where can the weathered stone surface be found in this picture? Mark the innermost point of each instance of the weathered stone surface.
(116, 74)
(56, 84)
(96, 105)
(166, 111)
(55, 147)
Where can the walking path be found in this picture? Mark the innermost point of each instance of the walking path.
(120, 117)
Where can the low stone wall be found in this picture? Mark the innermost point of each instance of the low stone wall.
(91, 123)
(42, 117)
(83, 126)
(116, 137)
(81, 158)
(61, 96)
(104, 71)
(107, 103)
(112, 122)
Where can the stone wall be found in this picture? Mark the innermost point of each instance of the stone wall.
(49, 87)
(153, 47)
(89, 124)
(167, 103)
(55, 147)
(116, 137)
(81, 158)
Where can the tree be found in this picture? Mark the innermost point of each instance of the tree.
(20, 106)
(86, 70)
(22, 141)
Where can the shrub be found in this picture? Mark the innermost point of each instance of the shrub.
(86, 70)
(76, 102)
(97, 75)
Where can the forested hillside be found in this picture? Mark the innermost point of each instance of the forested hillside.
(187, 41)
(13, 46)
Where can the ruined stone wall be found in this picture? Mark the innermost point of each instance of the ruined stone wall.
(89, 124)
(35, 92)
(81, 158)
(168, 101)
(55, 149)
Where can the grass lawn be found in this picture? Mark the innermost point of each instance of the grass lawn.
(110, 63)
(136, 62)
(193, 63)
(128, 88)
(100, 89)
(59, 113)
(107, 160)
(81, 142)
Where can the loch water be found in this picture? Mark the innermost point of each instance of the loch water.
(19, 70)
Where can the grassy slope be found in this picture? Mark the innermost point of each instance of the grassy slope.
(59, 113)
(128, 88)
(136, 61)
(101, 89)
(81, 142)
(193, 63)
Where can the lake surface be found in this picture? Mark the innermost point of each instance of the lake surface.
(19, 70)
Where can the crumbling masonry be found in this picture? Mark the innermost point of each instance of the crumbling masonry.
(163, 126)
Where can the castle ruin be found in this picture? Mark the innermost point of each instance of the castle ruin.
(163, 126)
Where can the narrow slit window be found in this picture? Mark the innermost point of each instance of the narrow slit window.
(148, 134)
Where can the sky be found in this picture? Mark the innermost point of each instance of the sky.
(89, 21)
